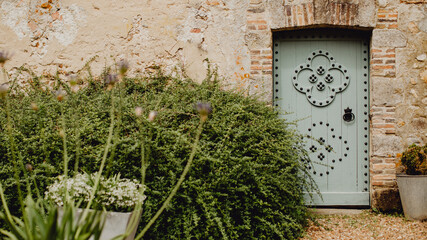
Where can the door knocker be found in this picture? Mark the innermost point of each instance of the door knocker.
(348, 115)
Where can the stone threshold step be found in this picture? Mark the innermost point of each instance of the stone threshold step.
(336, 211)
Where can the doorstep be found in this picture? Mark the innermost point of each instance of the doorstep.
(336, 211)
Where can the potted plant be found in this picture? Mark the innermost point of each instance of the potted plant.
(39, 221)
(413, 182)
(118, 196)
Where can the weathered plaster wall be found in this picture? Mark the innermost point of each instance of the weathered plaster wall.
(236, 36)
(55, 34)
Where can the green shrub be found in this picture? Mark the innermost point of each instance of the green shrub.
(246, 180)
(414, 160)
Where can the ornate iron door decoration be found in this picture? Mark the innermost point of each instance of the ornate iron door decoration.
(321, 149)
(320, 78)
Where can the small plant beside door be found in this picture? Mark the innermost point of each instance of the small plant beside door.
(413, 182)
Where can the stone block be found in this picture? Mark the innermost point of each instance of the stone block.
(410, 13)
(387, 91)
(413, 28)
(388, 38)
(405, 60)
(366, 13)
(422, 57)
(383, 3)
(386, 145)
(419, 124)
(413, 1)
(386, 200)
(423, 75)
(422, 25)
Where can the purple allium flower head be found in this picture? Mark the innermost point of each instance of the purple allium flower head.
(61, 133)
(123, 66)
(204, 110)
(72, 79)
(29, 167)
(34, 106)
(138, 111)
(4, 56)
(152, 115)
(110, 79)
(3, 90)
(60, 94)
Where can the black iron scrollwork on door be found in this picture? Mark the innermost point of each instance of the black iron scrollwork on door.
(332, 77)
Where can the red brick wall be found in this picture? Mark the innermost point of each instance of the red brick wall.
(261, 57)
(383, 62)
(299, 15)
(387, 18)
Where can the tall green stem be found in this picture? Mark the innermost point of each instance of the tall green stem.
(145, 153)
(116, 134)
(143, 163)
(78, 146)
(104, 158)
(78, 143)
(6, 208)
(12, 153)
(178, 184)
(14, 159)
(76, 122)
(12, 147)
(64, 142)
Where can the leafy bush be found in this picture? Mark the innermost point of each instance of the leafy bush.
(414, 160)
(246, 180)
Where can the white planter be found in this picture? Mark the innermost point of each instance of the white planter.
(115, 223)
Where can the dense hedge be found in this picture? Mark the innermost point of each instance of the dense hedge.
(245, 182)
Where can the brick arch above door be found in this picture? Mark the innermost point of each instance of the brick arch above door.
(265, 17)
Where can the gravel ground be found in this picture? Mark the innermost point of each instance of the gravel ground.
(365, 225)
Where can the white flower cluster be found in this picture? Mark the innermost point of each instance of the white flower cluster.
(114, 193)
(120, 192)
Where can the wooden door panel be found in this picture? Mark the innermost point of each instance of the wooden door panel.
(317, 75)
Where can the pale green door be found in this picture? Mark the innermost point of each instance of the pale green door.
(321, 78)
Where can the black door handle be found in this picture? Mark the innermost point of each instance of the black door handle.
(348, 115)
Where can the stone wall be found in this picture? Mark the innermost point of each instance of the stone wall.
(399, 96)
(236, 36)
